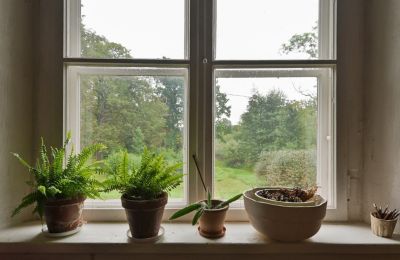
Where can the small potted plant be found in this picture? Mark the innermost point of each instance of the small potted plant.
(383, 221)
(210, 212)
(60, 185)
(144, 189)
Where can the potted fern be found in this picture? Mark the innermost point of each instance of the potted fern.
(144, 189)
(210, 213)
(60, 185)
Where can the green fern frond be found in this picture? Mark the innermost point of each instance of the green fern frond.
(148, 181)
(28, 200)
(55, 178)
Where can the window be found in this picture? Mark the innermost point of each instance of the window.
(246, 85)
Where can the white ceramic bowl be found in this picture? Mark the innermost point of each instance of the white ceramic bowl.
(281, 222)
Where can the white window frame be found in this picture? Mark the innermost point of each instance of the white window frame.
(200, 17)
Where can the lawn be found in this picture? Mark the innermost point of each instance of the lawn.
(231, 181)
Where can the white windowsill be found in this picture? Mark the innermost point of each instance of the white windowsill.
(241, 238)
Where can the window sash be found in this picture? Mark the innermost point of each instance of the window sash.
(200, 96)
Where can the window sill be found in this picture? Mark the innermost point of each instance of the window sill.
(240, 238)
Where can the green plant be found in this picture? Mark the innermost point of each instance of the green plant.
(199, 207)
(147, 181)
(60, 176)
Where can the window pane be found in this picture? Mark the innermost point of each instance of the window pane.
(267, 29)
(129, 108)
(133, 29)
(265, 129)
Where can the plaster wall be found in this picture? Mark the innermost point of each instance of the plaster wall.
(349, 104)
(16, 103)
(382, 105)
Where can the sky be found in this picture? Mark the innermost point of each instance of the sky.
(246, 29)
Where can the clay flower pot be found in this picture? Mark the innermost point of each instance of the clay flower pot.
(211, 223)
(144, 216)
(63, 215)
(381, 227)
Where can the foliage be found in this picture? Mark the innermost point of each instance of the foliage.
(55, 178)
(288, 168)
(229, 151)
(97, 46)
(201, 206)
(146, 181)
(385, 214)
(303, 43)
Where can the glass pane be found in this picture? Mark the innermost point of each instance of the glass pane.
(124, 110)
(133, 29)
(267, 29)
(265, 130)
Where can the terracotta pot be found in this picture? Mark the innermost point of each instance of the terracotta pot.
(144, 216)
(63, 215)
(284, 223)
(381, 227)
(211, 223)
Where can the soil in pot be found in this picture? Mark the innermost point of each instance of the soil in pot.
(211, 223)
(144, 216)
(63, 215)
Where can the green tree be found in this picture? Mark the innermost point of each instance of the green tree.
(138, 141)
(262, 125)
(171, 91)
(303, 43)
(97, 46)
(223, 125)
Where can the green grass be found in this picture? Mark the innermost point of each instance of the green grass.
(231, 181)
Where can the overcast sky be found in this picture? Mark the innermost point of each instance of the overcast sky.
(246, 29)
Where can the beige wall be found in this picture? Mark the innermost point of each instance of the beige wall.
(48, 98)
(382, 105)
(350, 29)
(16, 89)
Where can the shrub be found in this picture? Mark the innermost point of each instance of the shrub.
(288, 168)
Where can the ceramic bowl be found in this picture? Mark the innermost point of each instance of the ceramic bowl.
(258, 197)
(283, 222)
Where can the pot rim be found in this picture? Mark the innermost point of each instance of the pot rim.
(54, 202)
(162, 197)
(384, 220)
(254, 190)
(215, 210)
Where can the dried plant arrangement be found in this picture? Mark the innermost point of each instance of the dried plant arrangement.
(385, 214)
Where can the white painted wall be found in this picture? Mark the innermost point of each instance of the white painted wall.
(16, 89)
(382, 105)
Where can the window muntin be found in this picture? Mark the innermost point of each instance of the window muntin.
(268, 30)
(272, 132)
(140, 29)
(128, 108)
(202, 67)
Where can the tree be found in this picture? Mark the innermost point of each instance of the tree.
(261, 126)
(223, 125)
(303, 43)
(171, 91)
(97, 46)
